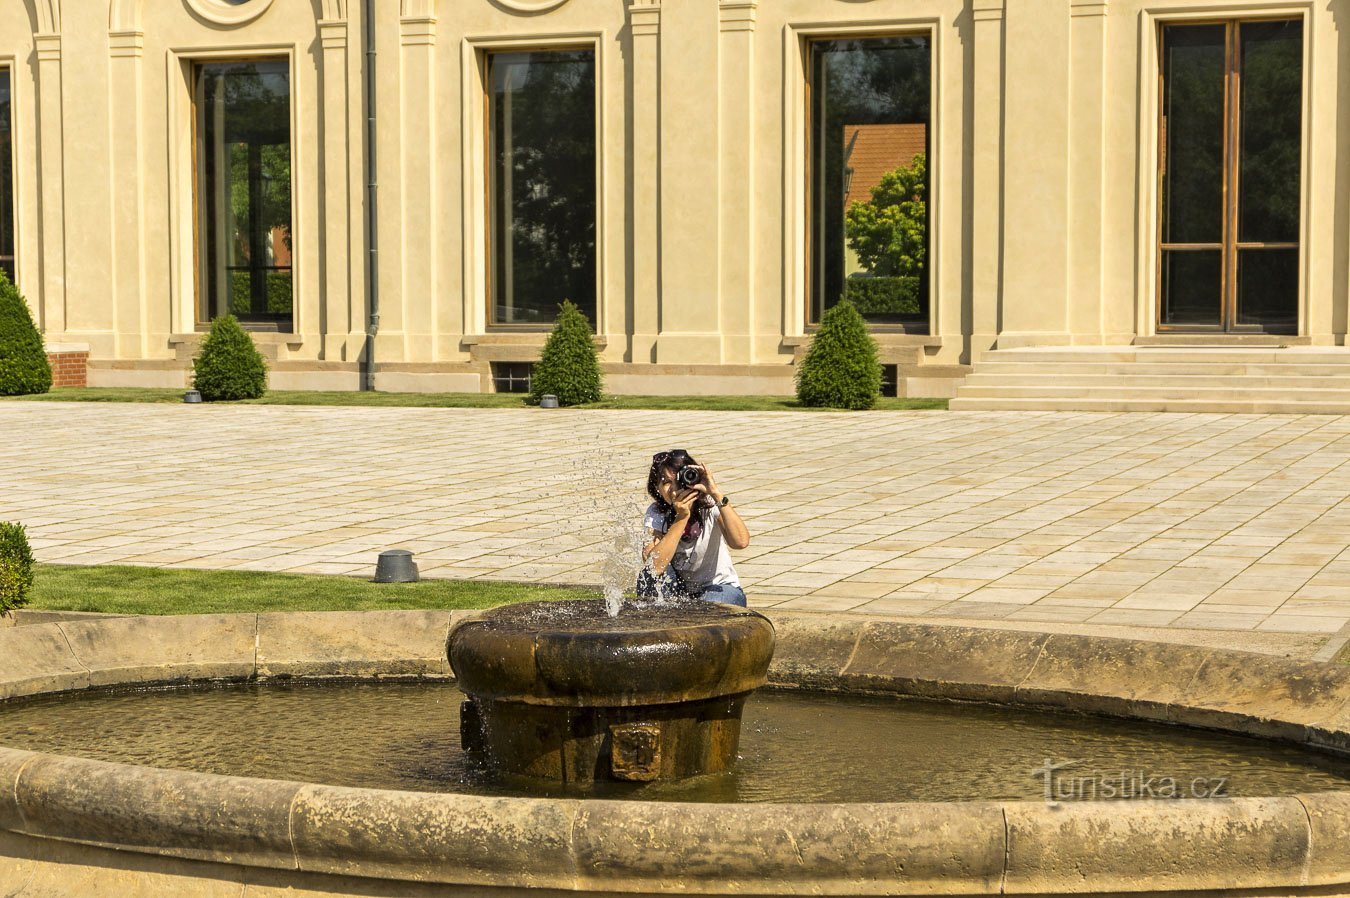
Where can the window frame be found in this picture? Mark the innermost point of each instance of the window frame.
(1229, 245)
(483, 51)
(808, 35)
(193, 63)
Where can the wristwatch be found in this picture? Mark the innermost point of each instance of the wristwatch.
(726, 500)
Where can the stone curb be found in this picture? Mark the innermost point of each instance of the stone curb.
(1291, 844)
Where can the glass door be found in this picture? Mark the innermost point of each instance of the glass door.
(1230, 167)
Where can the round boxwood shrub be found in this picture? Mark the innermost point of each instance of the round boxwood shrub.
(16, 567)
(229, 366)
(24, 367)
(569, 366)
(841, 368)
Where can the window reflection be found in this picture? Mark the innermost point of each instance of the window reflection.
(6, 178)
(869, 184)
(1230, 207)
(542, 186)
(244, 191)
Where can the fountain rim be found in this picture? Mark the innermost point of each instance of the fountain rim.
(986, 846)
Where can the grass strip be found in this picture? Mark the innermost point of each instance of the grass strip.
(122, 589)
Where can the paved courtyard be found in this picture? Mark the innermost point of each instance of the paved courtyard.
(1222, 522)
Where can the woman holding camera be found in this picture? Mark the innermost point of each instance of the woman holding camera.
(691, 529)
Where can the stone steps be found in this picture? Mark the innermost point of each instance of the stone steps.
(1229, 379)
(1232, 407)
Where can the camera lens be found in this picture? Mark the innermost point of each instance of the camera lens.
(688, 475)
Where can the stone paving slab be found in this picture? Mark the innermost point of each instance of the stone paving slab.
(1235, 523)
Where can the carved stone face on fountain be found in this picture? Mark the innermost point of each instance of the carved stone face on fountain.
(564, 692)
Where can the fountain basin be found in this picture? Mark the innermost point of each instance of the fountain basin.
(75, 826)
(561, 691)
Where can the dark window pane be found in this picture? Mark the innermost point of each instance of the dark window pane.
(244, 190)
(1191, 287)
(1268, 289)
(1193, 109)
(869, 190)
(1271, 138)
(512, 377)
(542, 108)
(6, 178)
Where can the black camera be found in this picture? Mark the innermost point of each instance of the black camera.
(689, 475)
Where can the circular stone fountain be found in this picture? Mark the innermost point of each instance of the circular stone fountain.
(561, 691)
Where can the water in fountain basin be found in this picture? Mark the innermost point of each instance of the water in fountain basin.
(794, 747)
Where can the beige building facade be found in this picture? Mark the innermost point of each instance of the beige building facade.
(1065, 173)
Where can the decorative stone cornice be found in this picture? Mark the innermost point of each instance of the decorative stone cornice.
(737, 15)
(1087, 7)
(333, 33)
(123, 44)
(644, 18)
(986, 10)
(48, 47)
(418, 31)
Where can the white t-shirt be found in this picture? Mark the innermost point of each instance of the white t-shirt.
(702, 562)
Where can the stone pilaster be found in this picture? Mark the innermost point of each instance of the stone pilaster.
(1087, 42)
(337, 322)
(417, 315)
(126, 51)
(51, 174)
(986, 255)
(1036, 158)
(689, 187)
(736, 116)
(644, 21)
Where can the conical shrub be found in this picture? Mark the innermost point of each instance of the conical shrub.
(16, 567)
(229, 366)
(841, 368)
(569, 366)
(24, 367)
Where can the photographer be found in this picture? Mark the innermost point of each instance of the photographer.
(691, 530)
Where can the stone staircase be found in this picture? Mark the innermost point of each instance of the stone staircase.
(1293, 380)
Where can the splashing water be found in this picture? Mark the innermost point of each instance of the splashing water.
(611, 505)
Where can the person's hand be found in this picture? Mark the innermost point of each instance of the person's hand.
(684, 503)
(708, 485)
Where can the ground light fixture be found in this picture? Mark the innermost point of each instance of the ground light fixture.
(549, 401)
(396, 566)
(192, 397)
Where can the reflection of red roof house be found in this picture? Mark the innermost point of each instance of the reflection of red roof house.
(872, 150)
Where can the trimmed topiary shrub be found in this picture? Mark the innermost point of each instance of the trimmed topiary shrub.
(569, 366)
(841, 368)
(229, 366)
(16, 567)
(884, 295)
(24, 367)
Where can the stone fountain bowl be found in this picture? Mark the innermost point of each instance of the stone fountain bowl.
(564, 692)
(74, 826)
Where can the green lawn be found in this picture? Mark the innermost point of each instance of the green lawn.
(116, 589)
(466, 400)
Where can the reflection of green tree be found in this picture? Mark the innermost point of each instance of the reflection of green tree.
(274, 210)
(889, 232)
(1270, 146)
(552, 174)
(1193, 109)
(857, 82)
(1272, 92)
(247, 116)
